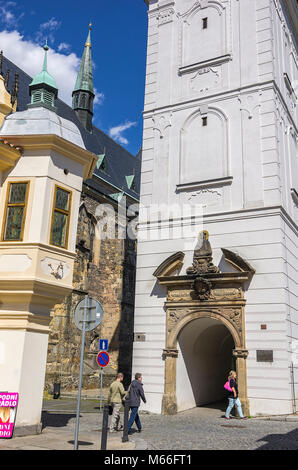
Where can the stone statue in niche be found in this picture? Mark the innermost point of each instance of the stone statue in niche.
(202, 259)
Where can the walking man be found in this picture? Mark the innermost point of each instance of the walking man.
(116, 394)
(136, 393)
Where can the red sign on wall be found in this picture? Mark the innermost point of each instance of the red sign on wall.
(8, 410)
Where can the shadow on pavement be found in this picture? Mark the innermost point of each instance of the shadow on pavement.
(55, 420)
(82, 443)
(221, 406)
(287, 441)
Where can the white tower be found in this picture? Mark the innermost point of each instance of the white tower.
(220, 131)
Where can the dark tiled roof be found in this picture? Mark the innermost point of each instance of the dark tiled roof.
(119, 162)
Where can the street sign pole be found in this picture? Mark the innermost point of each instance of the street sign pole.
(101, 377)
(81, 373)
(88, 321)
(102, 360)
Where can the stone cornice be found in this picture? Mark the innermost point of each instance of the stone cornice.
(25, 321)
(51, 249)
(9, 154)
(219, 182)
(171, 264)
(205, 63)
(45, 291)
(58, 144)
(215, 217)
(224, 95)
(237, 261)
(218, 278)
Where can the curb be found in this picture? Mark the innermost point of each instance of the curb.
(289, 419)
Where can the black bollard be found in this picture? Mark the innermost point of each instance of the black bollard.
(125, 424)
(56, 391)
(105, 425)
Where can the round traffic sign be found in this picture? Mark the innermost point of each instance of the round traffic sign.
(94, 314)
(103, 359)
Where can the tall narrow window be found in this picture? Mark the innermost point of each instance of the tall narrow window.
(205, 23)
(60, 217)
(204, 121)
(15, 211)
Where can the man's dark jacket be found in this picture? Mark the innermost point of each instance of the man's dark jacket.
(136, 393)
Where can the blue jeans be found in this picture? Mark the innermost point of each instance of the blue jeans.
(232, 403)
(134, 417)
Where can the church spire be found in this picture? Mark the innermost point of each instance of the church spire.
(83, 94)
(43, 89)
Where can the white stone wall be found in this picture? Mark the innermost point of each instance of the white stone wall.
(241, 167)
(18, 354)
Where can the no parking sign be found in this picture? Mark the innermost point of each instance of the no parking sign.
(103, 359)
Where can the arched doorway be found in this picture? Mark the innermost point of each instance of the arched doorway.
(205, 322)
(205, 357)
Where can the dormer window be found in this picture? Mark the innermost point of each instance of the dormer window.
(102, 163)
(131, 182)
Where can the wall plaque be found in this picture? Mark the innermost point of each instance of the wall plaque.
(265, 355)
(139, 337)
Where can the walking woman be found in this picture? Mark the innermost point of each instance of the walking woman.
(233, 396)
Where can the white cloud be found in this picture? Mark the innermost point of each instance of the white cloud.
(46, 31)
(8, 15)
(63, 46)
(29, 57)
(99, 97)
(51, 25)
(117, 131)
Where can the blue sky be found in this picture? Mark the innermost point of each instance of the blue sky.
(119, 37)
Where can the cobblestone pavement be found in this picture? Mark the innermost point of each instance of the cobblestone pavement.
(198, 429)
(205, 428)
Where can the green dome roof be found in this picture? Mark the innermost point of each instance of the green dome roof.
(44, 77)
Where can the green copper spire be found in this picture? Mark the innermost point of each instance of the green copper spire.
(83, 94)
(85, 76)
(43, 89)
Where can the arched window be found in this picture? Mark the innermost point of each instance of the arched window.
(204, 147)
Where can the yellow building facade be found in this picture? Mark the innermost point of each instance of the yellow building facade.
(43, 162)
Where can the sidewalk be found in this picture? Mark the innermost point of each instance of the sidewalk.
(59, 424)
(50, 439)
(63, 439)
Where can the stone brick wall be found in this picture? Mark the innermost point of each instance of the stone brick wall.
(105, 269)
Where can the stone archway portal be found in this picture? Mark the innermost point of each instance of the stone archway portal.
(205, 356)
(204, 292)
